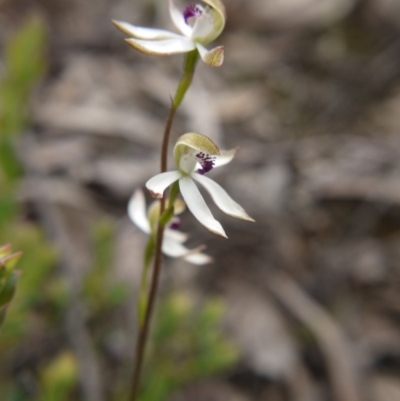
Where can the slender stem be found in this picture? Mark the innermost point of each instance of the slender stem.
(183, 86)
(164, 146)
(142, 301)
(144, 330)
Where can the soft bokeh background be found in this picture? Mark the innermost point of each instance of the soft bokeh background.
(303, 305)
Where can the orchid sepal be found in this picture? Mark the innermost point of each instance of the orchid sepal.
(139, 32)
(197, 205)
(221, 198)
(166, 47)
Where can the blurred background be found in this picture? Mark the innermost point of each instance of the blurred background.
(303, 305)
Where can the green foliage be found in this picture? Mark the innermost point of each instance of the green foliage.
(36, 265)
(24, 62)
(59, 378)
(24, 65)
(187, 344)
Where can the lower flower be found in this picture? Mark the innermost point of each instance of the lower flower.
(147, 220)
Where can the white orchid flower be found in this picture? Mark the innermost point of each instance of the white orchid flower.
(173, 239)
(195, 155)
(198, 24)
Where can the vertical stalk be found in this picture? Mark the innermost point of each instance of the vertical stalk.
(144, 330)
(183, 86)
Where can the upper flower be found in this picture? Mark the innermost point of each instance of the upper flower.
(195, 155)
(198, 24)
(173, 239)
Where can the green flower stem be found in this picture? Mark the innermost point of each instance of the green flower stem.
(169, 212)
(173, 193)
(142, 302)
(186, 80)
(183, 86)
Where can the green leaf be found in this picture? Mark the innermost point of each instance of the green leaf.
(3, 312)
(8, 289)
(11, 261)
(5, 250)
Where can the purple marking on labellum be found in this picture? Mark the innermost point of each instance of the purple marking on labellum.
(190, 12)
(175, 223)
(206, 162)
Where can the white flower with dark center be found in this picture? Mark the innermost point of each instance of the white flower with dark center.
(198, 24)
(195, 155)
(173, 239)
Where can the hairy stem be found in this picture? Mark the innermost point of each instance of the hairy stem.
(183, 86)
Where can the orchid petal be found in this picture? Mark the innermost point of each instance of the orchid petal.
(225, 157)
(213, 57)
(198, 258)
(178, 19)
(198, 206)
(160, 182)
(176, 250)
(137, 211)
(144, 33)
(165, 47)
(221, 198)
(175, 235)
